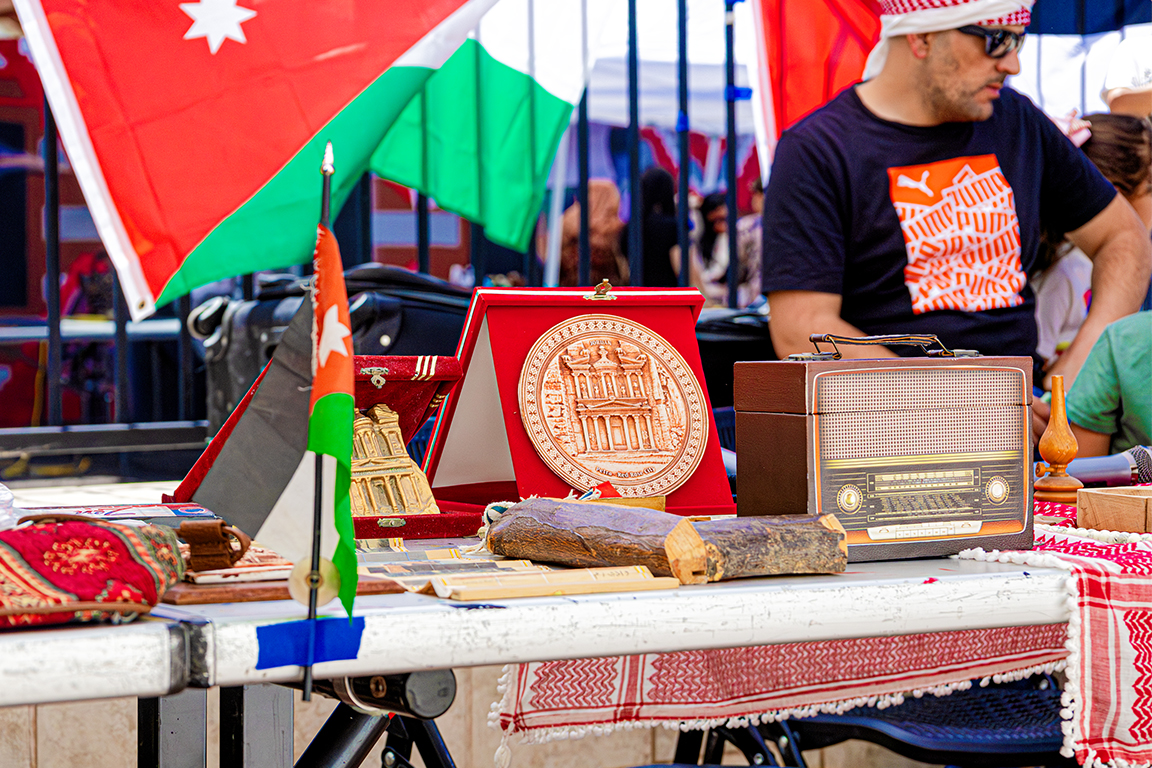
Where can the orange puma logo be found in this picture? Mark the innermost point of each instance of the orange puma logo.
(961, 234)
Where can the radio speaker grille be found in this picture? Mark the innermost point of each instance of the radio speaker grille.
(909, 389)
(920, 412)
(920, 433)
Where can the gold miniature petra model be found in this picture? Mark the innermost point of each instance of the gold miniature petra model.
(604, 398)
(385, 480)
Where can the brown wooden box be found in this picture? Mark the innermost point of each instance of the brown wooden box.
(916, 457)
(1115, 509)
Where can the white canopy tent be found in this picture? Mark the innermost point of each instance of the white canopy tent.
(659, 85)
(658, 42)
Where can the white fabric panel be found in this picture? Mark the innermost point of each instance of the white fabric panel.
(288, 528)
(436, 46)
(477, 421)
(553, 58)
(1065, 72)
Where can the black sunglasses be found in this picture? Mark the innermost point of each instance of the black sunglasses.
(998, 43)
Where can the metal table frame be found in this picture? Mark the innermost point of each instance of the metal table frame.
(405, 633)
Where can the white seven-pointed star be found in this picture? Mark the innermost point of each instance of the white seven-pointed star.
(332, 336)
(216, 20)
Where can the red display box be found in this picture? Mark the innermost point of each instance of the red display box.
(412, 386)
(480, 451)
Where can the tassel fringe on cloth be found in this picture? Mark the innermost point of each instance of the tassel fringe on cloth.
(1105, 650)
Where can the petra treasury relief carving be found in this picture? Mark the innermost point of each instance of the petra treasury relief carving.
(604, 398)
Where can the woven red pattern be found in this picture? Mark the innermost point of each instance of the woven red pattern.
(1112, 667)
(1052, 513)
(896, 7)
(721, 684)
(53, 565)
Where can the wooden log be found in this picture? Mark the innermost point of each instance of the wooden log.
(588, 536)
(737, 547)
(584, 535)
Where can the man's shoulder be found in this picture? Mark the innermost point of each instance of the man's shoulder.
(832, 118)
(1014, 105)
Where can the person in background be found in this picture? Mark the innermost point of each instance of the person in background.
(607, 261)
(1121, 147)
(658, 218)
(712, 270)
(710, 273)
(1128, 84)
(914, 202)
(1109, 405)
(749, 242)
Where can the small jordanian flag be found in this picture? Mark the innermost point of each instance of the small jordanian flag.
(193, 127)
(259, 472)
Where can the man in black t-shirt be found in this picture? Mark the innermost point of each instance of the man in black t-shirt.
(913, 202)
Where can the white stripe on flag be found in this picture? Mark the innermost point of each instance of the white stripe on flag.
(82, 155)
(288, 528)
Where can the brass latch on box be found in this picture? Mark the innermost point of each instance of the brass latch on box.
(377, 375)
(391, 522)
(602, 292)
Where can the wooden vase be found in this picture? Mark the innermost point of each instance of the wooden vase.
(1057, 449)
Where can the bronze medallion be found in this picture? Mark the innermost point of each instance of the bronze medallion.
(604, 398)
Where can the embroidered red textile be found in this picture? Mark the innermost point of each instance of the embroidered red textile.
(558, 699)
(1108, 695)
(66, 570)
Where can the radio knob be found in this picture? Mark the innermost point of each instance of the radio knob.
(996, 490)
(849, 499)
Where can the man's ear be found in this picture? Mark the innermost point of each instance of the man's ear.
(919, 44)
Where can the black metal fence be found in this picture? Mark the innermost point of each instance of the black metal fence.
(131, 432)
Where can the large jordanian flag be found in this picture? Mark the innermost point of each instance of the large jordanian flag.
(259, 472)
(193, 127)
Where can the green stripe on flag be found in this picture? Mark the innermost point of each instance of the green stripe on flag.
(276, 228)
(480, 140)
(330, 433)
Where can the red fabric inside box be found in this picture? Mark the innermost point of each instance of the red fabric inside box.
(413, 387)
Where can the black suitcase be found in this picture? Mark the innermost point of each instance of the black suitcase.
(727, 336)
(393, 312)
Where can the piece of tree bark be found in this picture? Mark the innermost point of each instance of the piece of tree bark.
(584, 535)
(590, 535)
(769, 546)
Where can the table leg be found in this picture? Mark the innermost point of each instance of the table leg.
(256, 726)
(688, 747)
(345, 739)
(426, 736)
(172, 730)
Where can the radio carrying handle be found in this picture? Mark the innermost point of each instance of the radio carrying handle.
(922, 340)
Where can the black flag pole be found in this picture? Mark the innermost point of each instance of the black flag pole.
(327, 168)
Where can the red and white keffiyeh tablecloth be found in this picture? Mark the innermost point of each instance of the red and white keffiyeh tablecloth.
(1108, 694)
(1107, 646)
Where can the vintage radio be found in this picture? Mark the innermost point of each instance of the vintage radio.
(916, 457)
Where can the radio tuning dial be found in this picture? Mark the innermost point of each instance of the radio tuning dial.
(996, 490)
(849, 499)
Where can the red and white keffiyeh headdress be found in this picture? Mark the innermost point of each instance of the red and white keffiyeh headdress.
(910, 17)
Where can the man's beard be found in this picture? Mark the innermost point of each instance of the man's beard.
(954, 106)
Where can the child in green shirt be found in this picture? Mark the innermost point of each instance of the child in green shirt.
(1110, 402)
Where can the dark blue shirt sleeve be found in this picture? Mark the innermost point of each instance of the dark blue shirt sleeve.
(803, 234)
(1073, 191)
